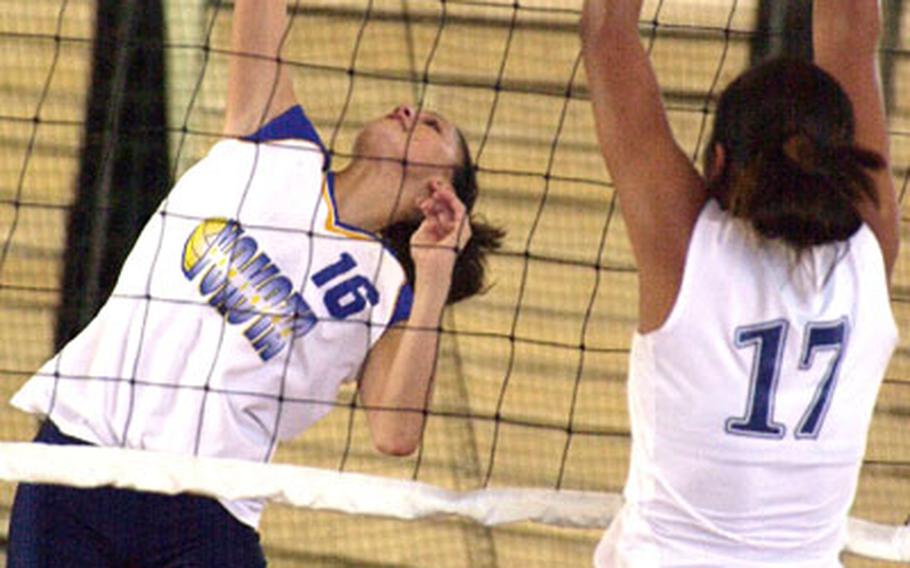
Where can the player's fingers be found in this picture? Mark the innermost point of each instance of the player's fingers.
(446, 193)
(436, 207)
(444, 214)
(450, 222)
(452, 207)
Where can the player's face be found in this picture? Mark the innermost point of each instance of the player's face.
(424, 147)
(424, 142)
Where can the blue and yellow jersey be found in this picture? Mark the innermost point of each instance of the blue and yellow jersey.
(243, 306)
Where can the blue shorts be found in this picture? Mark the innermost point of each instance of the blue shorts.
(62, 527)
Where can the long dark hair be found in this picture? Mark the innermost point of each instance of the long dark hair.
(468, 275)
(791, 166)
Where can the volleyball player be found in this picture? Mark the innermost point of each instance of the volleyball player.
(263, 281)
(764, 318)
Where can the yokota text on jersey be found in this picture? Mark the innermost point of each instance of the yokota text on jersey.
(245, 286)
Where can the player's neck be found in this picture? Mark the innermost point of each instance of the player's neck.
(365, 194)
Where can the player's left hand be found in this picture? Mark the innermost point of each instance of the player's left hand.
(444, 232)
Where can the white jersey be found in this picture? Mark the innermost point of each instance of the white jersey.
(750, 406)
(242, 307)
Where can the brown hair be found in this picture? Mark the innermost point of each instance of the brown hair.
(468, 275)
(791, 166)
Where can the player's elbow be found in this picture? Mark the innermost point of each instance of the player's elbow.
(398, 446)
(396, 435)
(397, 450)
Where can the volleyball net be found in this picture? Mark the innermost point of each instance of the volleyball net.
(526, 445)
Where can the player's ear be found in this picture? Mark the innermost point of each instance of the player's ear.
(715, 163)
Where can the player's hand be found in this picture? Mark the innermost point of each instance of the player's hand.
(444, 231)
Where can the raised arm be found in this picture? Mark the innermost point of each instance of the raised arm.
(660, 191)
(845, 40)
(259, 87)
(397, 379)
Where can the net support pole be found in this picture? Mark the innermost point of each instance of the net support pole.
(123, 171)
(784, 28)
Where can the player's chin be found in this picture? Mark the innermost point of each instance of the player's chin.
(381, 139)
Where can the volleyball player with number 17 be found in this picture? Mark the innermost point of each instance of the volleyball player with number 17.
(262, 283)
(765, 324)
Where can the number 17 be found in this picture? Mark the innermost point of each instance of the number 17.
(768, 340)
